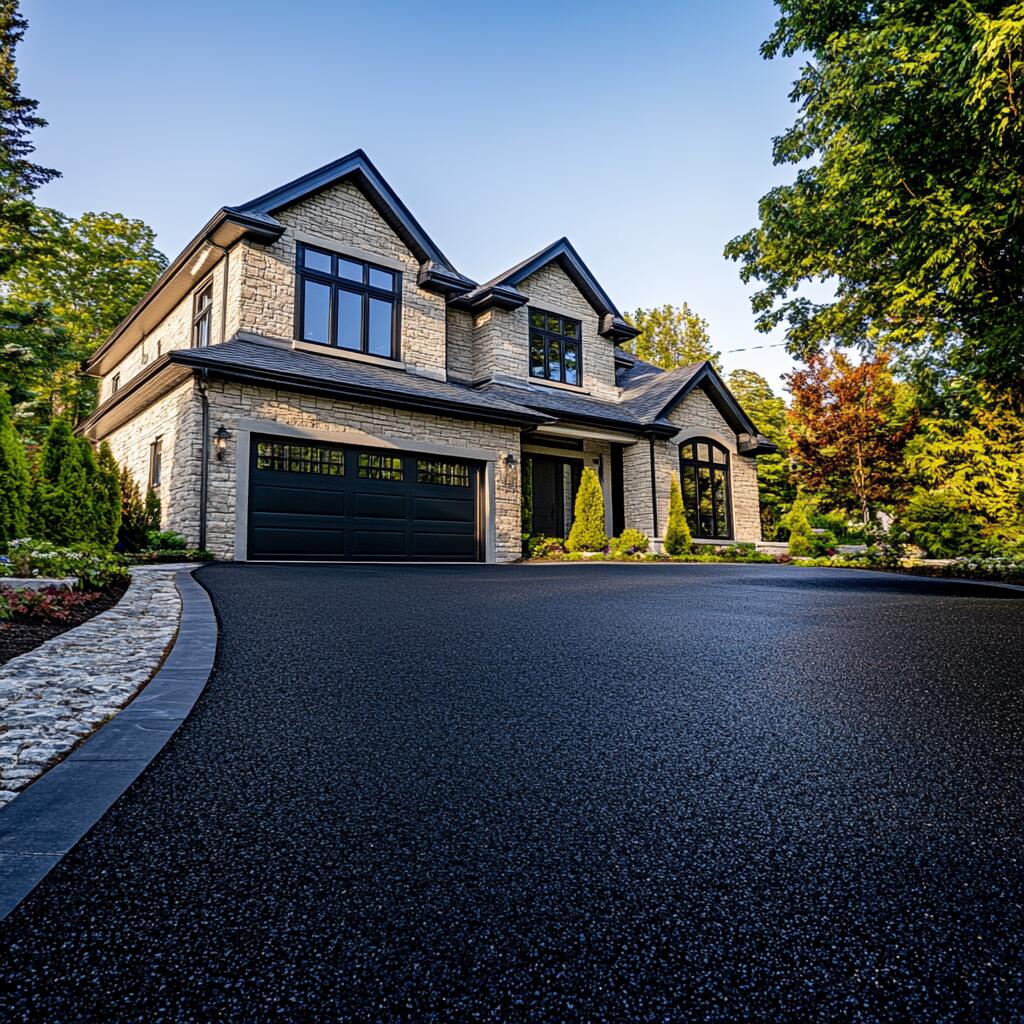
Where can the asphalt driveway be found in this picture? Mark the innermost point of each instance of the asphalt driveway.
(562, 793)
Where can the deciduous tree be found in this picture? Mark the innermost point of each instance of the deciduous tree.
(849, 425)
(671, 336)
(909, 194)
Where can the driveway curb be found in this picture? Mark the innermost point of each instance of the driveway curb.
(48, 818)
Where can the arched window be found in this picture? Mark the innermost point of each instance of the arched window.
(704, 476)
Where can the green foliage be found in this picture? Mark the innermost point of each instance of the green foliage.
(671, 337)
(53, 604)
(776, 489)
(165, 540)
(976, 458)
(907, 197)
(20, 177)
(678, 540)
(14, 477)
(587, 533)
(797, 521)
(546, 547)
(938, 524)
(94, 567)
(93, 271)
(108, 498)
(887, 548)
(135, 520)
(629, 543)
(62, 499)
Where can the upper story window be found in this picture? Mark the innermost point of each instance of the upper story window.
(156, 462)
(202, 316)
(555, 347)
(347, 303)
(704, 475)
(115, 383)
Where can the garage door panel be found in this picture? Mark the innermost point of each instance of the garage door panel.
(282, 542)
(379, 506)
(298, 501)
(444, 510)
(311, 501)
(443, 545)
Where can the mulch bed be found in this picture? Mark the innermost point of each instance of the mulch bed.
(22, 635)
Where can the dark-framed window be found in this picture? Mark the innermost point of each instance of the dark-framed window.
(380, 467)
(704, 477)
(347, 303)
(156, 458)
(300, 458)
(202, 316)
(442, 472)
(556, 347)
(115, 384)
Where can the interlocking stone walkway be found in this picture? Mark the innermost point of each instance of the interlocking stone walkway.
(54, 695)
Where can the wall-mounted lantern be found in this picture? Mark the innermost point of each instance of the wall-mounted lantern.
(220, 441)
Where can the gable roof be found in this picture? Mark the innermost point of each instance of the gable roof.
(502, 291)
(436, 272)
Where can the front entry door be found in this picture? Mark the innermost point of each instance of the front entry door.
(552, 514)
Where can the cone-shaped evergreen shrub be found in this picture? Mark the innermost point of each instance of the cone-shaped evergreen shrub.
(587, 533)
(134, 523)
(678, 539)
(109, 488)
(15, 482)
(798, 521)
(62, 505)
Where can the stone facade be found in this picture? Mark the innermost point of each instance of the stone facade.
(176, 419)
(696, 416)
(232, 403)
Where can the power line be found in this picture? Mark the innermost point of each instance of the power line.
(754, 348)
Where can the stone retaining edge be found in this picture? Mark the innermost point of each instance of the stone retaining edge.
(51, 815)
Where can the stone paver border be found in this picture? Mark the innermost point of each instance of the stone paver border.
(49, 817)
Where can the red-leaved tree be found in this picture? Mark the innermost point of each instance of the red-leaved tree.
(849, 423)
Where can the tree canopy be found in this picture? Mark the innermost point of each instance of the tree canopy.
(671, 336)
(912, 205)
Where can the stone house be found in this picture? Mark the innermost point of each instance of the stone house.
(311, 378)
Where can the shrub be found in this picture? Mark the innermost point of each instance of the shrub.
(678, 540)
(95, 568)
(886, 547)
(938, 524)
(629, 543)
(798, 522)
(108, 510)
(587, 533)
(823, 543)
(52, 603)
(138, 516)
(165, 540)
(62, 503)
(168, 555)
(15, 481)
(546, 547)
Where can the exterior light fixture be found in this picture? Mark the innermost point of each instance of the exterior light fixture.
(509, 460)
(220, 441)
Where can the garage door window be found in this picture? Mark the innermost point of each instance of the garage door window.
(300, 458)
(445, 474)
(380, 467)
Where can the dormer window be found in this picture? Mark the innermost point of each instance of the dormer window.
(347, 303)
(555, 348)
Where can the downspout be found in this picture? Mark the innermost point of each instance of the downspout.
(204, 456)
(654, 488)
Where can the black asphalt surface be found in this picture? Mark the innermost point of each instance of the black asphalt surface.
(562, 793)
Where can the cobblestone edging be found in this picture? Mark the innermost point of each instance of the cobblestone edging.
(54, 695)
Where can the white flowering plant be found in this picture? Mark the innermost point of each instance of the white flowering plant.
(94, 568)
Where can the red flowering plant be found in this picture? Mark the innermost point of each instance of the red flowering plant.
(52, 603)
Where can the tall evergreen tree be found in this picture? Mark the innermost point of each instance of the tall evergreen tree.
(20, 176)
(14, 477)
(61, 500)
(109, 483)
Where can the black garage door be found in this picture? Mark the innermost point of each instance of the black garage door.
(324, 501)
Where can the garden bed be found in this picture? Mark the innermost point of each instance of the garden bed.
(21, 634)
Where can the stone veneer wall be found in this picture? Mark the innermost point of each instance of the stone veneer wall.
(459, 352)
(230, 403)
(696, 414)
(341, 214)
(173, 332)
(177, 418)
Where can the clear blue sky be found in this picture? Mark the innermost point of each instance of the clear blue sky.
(641, 131)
